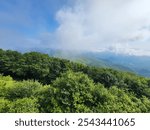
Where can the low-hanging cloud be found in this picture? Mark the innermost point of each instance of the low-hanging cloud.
(102, 24)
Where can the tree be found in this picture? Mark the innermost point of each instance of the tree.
(25, 105)
(4, 105)
(74, 92)
(22, 89)
(46, 97)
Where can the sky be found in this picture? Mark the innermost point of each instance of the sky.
(120, 26)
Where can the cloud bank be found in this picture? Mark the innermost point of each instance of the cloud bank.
(120, 26)
(104, 24)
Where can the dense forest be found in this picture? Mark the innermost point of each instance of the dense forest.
(34, 82)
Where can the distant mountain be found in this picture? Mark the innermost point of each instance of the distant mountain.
(137, 64)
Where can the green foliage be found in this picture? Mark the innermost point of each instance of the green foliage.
(74, 92)
(46, 96)
(24, 89)
(25, 105)
(39, 83)
(4, 105)
(5, 85)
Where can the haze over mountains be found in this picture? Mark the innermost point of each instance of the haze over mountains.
(107, 59)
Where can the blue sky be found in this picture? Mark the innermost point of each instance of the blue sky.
(120, 26)
(29, 16)
(24, 19)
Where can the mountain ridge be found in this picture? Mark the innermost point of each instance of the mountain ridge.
(132, 63)
(106, 59)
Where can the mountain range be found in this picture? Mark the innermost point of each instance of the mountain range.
(131, 63)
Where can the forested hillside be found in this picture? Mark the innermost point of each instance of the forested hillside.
(35, 82)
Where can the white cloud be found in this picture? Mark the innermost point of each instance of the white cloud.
(127, 50)
(99, 24)
(121, 26)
